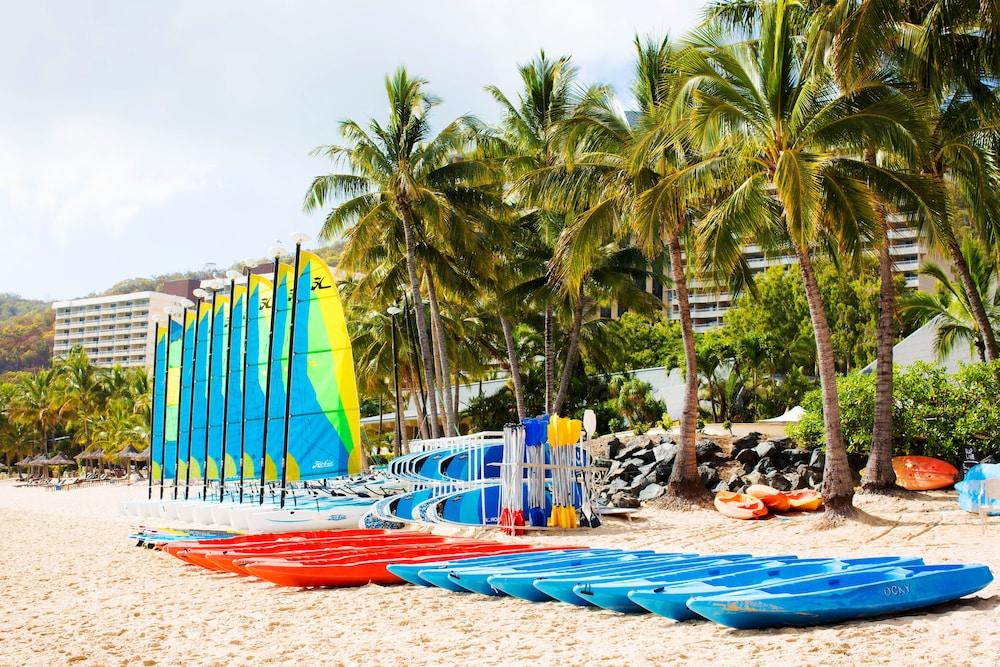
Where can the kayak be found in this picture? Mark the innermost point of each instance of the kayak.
(805, 500)
(477, 579)
(614, 595)
(182, 548)
(336, 516)
(739, 505)
(840, 597)
(923, 473)
(671, 600)
(774, 500)
(520, 583)
(561, 588)
(358, 570)
(411, 572)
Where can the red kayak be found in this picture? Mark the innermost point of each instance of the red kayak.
(213, 557)
(225, 561)
(360, 570)
(265, 538)
(190, 554)
(923, 473)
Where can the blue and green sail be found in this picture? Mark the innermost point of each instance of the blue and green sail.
(196, 452)
(279, 367)
(258, 332)
(234, 370)
(325, 419)
(173, 397)
(156, 433)
(184, 404)
(217, 385)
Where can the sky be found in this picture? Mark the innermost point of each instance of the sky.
(141, 138)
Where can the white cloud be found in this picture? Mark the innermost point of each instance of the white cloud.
(86, 177)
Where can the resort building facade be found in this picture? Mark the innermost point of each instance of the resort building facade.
(709, 305)
(112, 330)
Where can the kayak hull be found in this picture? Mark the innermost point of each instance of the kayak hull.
(923, 473)
(843, 597)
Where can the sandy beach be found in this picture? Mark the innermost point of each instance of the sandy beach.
(76, 591)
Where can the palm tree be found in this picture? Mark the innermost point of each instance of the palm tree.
(400, 172)
(530, 141)
(83, 390)
(782, 133)
(35, 403)
(949, 309)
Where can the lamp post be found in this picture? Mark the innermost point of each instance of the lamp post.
(393, 311)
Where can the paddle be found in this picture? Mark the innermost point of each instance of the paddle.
(588, 517)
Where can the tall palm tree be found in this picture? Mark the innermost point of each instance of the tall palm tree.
(638, 181)
(36, 403)
(949, 308)
(784, 134)
(529, 140)
(83, 390)
(400, 171)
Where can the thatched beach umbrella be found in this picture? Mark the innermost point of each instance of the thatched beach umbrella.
(24, 463)
(61, 460)
(95, 455)
(131, 454)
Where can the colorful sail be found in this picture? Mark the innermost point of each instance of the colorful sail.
(199, 424)
(279, 365)
(258, 331)
(156, 432)
(324, 426)
(217, 385)
(173, 397)
(234, 370)
(184, 413)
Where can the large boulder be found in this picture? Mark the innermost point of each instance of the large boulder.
(817, 459)
(765, 449)
(709, 475)
(662, 473)
(778, 481)
(622, 499)
(707, 449)
(616, 485)
(721, 486)
(754, 477)
(665, 452)
(748, 457)
(652, 491)
(614, 448)
(747, 441)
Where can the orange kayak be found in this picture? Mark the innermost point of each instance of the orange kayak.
(775, 500)
(923, 473)
(739, 505)
(805, 500)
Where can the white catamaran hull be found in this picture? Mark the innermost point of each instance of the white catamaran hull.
(336, 517)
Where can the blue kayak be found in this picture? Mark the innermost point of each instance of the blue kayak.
(840, 597)
(561, 588)
(476, 579)
(671, 600)
(614, 595)
(411, 571)
(520, 584)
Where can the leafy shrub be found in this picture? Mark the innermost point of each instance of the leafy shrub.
(666, 421)
(639, 428)
(934, 413)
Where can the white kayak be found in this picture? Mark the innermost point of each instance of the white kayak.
(339, 516)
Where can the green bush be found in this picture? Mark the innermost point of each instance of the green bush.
(934, 413)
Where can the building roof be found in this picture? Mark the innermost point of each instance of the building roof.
(919, 346)
(110, 298)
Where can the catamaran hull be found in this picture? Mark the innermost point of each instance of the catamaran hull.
(333, 518)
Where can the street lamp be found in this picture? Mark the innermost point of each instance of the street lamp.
(394, 310)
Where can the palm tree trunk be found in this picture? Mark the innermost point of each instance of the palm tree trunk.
(441, 343)
(550, 370)
(418, 309)
(879, 474)
(457, 385)
(838, 484)
(685, 481)
(572, 352)
(975, 299)
(515, 366)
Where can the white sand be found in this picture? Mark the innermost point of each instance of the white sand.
(74, 590)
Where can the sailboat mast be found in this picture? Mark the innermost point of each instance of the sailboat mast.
(267, 381)
(294, 289)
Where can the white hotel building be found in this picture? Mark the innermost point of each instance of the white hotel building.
(112, 330)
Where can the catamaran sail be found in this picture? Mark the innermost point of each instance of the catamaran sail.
(324, 415)
(203, 339)
(258, 332)
(217, 385)
(279, 368)
(234, 396)
(184, 405)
